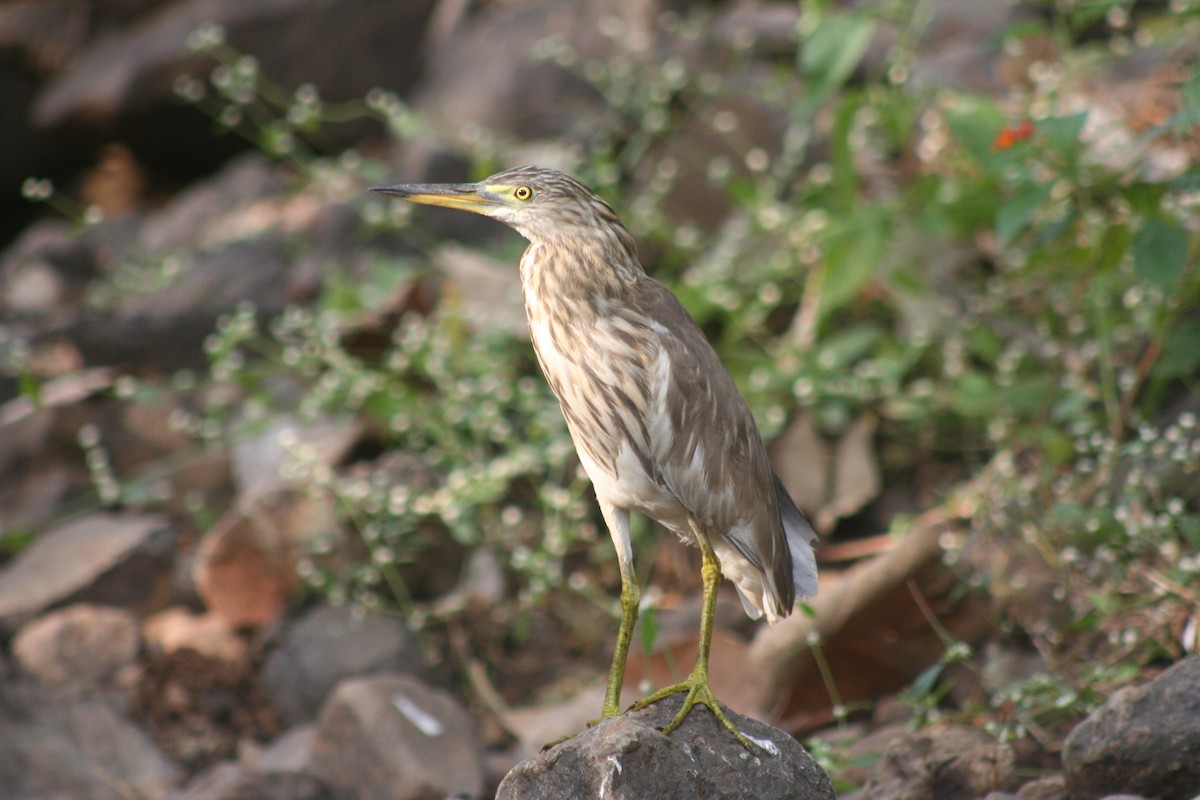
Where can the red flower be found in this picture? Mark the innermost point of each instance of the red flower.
(1011, 134)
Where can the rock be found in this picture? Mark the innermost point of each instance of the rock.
(166, 329)
(392, 737)
(245, 567)
(290, 752)
(1145, 740)
(120, 86)
(328, 645)
(952, 763)
(46, 270)
(232, 781)
(103, 557)
(487, 292)
(259, 462)
(82, 749)
(481, 78)
(79, 648)
(629, 757)
(1052, 787)
(177, 628)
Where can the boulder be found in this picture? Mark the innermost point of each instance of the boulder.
(393, 737)
(629, 757)
(328, 645)
(1145, 740)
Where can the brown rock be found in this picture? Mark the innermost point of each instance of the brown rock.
(118, 559)
(80, 647)
(1051, 787)
(177, 628)
(953, 763)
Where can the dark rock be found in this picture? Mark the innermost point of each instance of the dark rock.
(328, 645)
(166, 329)
(1145, 740)
(120, 86)
(111, 559)
(629, 757)
(83, 750)
(392, 737)
(46, 271)
(78, 649)
(954, 763)
(482, 77)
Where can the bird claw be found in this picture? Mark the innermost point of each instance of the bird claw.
(698, 693)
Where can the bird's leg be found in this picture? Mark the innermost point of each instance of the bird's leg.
(696, 685)
(617, 520)
(630, 598)
(618, 527)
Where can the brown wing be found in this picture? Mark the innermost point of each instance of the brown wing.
(713, 458)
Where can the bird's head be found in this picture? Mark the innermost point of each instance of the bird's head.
(543, 205)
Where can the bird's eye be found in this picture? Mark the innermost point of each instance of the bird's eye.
(523, 193)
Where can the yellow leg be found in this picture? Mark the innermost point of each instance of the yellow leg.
(697, 686)
(630, 598)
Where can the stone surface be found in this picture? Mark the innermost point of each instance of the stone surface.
(1145, 740)
(1051, 787)
(82, 750)
(952, 763)
(102, 557)
(629, 757)
(177, 628)
(392, 737)
(328, 645)
(231, 781)
(120, 85)
(81, 647)
(290, 751)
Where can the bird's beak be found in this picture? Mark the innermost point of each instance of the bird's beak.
(463, 196)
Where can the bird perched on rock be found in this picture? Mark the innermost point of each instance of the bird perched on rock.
(659, 425)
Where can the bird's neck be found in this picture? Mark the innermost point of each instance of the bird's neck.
(574, 272)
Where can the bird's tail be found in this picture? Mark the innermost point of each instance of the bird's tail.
(800, 538)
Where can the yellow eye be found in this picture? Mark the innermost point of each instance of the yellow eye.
(523, 193)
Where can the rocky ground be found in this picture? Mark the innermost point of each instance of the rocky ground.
(160, 639)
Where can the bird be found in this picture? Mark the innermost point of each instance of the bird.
(659, 425)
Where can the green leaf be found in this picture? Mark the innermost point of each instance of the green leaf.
(1062, 133)
(1113, 247)
(848, 346)
(1014, 216)
(974, 395)
(852, 258)
(974, 123)
(1180, 351)
(648, 621)
(1160, 251)
(833, 50)
(1189, 116)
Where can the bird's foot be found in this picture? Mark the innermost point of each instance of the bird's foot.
(698, 693)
